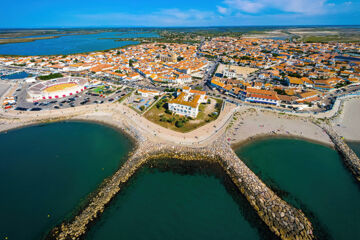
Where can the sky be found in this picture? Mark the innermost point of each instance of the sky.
(170, 13)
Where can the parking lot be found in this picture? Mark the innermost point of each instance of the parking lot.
(80, 99)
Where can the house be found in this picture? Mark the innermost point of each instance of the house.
(187, 102)
(254, 95)
(326, 85)
(307, 82)
(294, 81)
(148, 93)
(183, 78)
(309, 96)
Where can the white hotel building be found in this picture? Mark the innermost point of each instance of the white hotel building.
(187, 102)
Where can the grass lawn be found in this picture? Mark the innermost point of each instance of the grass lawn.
(160, 116)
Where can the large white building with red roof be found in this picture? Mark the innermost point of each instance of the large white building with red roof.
(187, 102)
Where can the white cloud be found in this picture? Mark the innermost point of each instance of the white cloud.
(347, 3)
(310, 7)
(222, 10)
(245, 6)
(164, 17)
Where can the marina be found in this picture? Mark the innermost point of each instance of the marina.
(13, 74)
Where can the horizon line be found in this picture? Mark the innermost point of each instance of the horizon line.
(215, 26)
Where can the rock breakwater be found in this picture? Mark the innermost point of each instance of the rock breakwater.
(284, 220)
(351, 160)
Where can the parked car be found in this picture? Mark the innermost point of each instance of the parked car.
(21, 109)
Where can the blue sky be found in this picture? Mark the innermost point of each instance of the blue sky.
(72, 13)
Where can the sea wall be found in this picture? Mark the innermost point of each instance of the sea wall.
(351, 160)
(284, 220)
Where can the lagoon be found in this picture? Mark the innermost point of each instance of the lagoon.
(72, 44)
(47, 171)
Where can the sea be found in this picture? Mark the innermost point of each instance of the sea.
(311, 177)
(48, 171)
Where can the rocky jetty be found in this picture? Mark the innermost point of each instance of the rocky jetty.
(351, 160)
(284, 220)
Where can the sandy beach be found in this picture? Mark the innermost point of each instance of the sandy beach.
(240, 123)
(347, 124)
(254, 123)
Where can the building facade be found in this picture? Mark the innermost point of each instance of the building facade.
(187, 102)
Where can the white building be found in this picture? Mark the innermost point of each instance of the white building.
(230, 73)
(254, 95)
(183, 78)
(187, 102)
(148, 93)
(56, 88)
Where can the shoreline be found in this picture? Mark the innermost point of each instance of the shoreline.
(131, 138)
(260, 137)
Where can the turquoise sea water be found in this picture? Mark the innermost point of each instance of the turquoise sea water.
(311, 177)
(186, 204)
(71, 44)
(47, 170)
(355, 146)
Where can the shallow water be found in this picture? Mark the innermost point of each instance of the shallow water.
(47, 170)
(311, 177)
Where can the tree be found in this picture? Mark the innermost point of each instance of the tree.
(159, 104)
(280, 91)
(131, 62)
(179, 124)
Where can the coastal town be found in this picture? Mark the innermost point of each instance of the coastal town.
(195, 102)
(289, 76)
